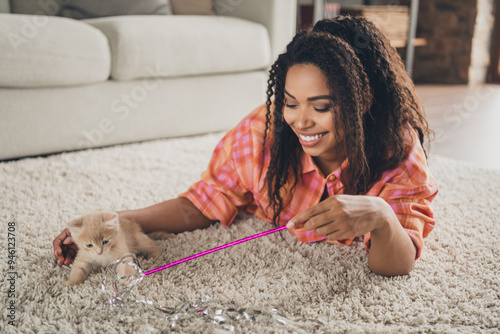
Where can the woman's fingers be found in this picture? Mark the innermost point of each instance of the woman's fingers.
(68, 241)
(304, 217)
(342, 216)
(58, 242)
(323, 219)
(327, 229)
(70, 255)
(64, 248)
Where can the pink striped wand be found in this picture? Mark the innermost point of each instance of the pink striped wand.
(189, 258)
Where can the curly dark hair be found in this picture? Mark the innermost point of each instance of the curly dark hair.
(376, 100)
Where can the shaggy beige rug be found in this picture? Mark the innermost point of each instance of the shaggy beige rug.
(454, 287)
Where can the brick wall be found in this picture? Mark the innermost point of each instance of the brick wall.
(458, 41)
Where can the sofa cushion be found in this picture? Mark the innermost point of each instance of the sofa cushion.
(4, 6)
(41, 51)
(167, 46)
(85, 9)
(192, 7)
(38, 7)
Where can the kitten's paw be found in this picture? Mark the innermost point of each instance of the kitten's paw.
(71, 283)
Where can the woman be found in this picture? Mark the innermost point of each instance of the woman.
(336, 153)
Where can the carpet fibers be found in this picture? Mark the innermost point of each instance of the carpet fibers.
(453, 288)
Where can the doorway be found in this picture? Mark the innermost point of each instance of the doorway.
(494, 70)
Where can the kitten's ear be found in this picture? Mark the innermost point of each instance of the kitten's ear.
(75, 226)
(112, 221)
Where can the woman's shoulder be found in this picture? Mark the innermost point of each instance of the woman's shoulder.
(411, 177)
(251, 129)
(246, 139)
(255, 120)
(414, 167)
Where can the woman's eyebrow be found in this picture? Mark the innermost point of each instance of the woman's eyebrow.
(314, 98)
(320, 97)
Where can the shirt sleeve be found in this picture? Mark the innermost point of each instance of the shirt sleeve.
(409, 190)
(225, 186)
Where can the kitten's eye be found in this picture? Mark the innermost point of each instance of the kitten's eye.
(105, 242)
(89, 245)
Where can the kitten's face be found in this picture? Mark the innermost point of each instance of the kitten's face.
(94, 233)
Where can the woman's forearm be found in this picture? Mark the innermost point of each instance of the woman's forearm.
(173, 216)
(391, 251)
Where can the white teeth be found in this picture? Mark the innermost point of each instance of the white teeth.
(311, 138)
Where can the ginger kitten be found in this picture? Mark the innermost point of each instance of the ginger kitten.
(102, 238)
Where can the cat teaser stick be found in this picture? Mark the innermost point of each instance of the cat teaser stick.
(189, 258)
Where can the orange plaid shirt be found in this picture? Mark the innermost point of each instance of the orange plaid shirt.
(233, 181)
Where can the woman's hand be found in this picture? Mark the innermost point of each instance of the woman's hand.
(392, 252)
(344, 216)
(64, 248)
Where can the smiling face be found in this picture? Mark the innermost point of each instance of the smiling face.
(309, 110)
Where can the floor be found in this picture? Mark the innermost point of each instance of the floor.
(466, 122)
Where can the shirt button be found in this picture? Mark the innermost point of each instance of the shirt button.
(331, 178)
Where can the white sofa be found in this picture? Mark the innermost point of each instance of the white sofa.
(67, 84)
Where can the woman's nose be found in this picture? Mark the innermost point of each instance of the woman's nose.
(303, 119)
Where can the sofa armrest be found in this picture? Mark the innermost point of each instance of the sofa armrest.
(278, 16)
(4, 6)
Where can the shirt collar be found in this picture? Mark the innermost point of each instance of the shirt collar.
(308, 165)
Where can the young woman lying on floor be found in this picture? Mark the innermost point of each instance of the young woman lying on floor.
(336, 153)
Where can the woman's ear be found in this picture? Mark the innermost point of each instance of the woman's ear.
(75, 226)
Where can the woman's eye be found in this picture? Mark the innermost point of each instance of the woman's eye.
(89, 245)
(105, 242)
(322, 109)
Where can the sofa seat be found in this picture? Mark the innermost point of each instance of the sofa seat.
(181, 45)
(77, 84)
(42, 52)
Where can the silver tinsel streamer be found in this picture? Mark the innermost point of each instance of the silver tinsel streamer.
(225, 314)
